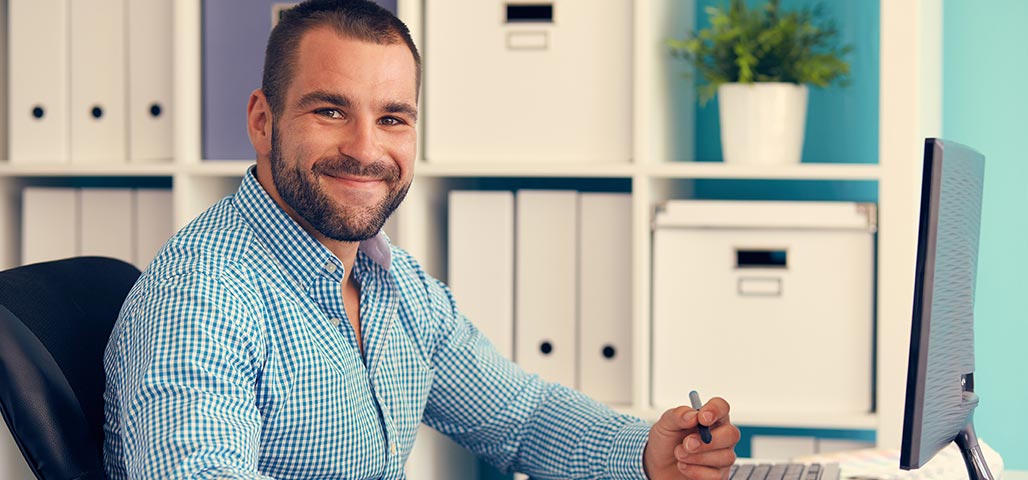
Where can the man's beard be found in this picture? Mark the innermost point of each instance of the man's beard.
(300, 190)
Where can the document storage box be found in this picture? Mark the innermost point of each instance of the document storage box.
(767, 304)
(528, 81)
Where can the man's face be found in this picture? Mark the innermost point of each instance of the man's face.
(343, 146)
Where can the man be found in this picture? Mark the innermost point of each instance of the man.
(280, 336)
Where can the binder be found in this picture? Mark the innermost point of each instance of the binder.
(481, 262)
(38, 95)
(50, 224)
(149, 80)
(154, 223)
(106, 228)
(544, 330)
(98, 121)
(605, 297)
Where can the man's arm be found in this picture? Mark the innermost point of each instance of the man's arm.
(182, 367)
(515, 420)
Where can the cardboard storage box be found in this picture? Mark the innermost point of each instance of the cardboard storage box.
(528, 81)
(767, 304)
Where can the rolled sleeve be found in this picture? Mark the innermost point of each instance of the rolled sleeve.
(626, 452)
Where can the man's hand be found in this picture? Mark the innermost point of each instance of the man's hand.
(674, 449)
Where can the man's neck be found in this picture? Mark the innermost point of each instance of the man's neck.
(346, 252)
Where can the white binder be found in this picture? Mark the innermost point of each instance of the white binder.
(50, 224)
(38, 89)
(154, 223)
(544, 329)
(106, 228)
(98, 121)
(149, 80)
(605, 297)
(481, 262)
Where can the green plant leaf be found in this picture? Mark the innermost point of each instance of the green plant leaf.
(764, 45)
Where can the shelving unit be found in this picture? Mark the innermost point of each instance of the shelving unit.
(909, 110)
(662, 126)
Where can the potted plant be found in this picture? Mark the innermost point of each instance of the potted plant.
(759, 62)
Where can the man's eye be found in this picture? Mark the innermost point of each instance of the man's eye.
(391, 121)
(329, 113)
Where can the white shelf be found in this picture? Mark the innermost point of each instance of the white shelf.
(803, 171)
(675, 170)
(682, 170)
(86, 170)
(219, 168)
(534, 169)
(855, 421)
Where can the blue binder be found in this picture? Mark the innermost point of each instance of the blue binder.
(235, 33)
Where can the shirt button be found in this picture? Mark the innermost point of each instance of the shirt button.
(392, 448)
(335, 321)
(330, 267)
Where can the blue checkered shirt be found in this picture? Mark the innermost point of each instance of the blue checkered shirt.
(233, 358)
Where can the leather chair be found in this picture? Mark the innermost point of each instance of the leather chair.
(55, 319)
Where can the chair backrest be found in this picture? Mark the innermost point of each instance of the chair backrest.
(55, 319)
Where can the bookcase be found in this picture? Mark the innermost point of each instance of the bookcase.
(661, 168)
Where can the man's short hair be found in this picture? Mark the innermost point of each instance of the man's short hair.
(357, 19)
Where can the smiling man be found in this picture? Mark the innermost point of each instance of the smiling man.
(279, 335)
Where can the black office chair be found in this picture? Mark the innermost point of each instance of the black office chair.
(55, 318)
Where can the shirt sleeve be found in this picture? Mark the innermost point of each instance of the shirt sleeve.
(182, 368)
(515, 420)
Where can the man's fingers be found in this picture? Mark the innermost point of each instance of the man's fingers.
(716, 409)
(699, 472)
(723, 436)
(678, 418)
(720, 458)
(714, 413)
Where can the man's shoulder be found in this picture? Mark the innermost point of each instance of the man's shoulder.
(206, 264)
(212, 244)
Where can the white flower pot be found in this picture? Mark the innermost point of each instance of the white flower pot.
(762, 123)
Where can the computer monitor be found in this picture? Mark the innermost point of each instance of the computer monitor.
(940, 398)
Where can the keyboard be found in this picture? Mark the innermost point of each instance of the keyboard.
(784, 471)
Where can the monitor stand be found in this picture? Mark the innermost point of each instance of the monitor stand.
(967, 440)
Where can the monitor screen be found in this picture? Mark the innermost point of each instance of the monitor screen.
(940, 397)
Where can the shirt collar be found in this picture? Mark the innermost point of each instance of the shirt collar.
(300, 255)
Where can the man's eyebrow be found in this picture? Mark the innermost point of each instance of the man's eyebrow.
(402, 107)
(322, 97)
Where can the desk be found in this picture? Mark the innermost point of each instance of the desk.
(884, 463)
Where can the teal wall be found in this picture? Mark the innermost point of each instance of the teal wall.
(985, 105)
(842, 121)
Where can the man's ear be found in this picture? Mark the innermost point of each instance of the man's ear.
(258, 123)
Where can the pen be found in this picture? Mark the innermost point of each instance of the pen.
(694, 397)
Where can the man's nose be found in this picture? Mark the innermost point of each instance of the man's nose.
(361, 141)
